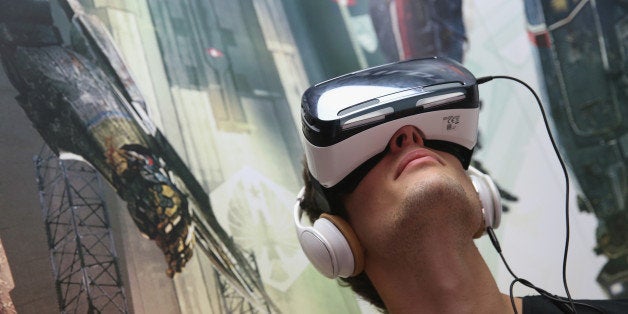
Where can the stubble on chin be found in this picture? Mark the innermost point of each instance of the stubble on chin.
(433, 206)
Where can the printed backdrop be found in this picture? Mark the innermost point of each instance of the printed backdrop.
(214, 88)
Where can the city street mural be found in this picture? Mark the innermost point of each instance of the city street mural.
(189, 110)
(583, 60)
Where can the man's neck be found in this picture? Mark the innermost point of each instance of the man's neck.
(450, 279)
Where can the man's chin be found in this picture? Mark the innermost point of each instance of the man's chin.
(438, 198)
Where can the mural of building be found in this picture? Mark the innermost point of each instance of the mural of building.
(221, 80)
(583, 60)
(218, 85)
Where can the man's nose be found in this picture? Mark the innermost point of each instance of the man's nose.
(407, 135)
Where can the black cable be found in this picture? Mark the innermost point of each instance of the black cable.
(491, 235)
(556, 300)
(566, 175)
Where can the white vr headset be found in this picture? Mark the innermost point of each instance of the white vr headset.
(349, 119)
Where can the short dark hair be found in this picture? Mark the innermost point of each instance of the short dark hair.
(360, 284)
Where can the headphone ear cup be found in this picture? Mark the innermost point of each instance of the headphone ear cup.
(331, 245)
(489, 196)
(356, 263)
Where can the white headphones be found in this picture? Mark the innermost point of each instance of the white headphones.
(489, 196)
(330, 244)
(334, 249)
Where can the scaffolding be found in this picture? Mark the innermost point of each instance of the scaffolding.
(232, 301)
(83, 257)
(84, 260)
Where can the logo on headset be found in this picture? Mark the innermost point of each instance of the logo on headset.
(451, 122)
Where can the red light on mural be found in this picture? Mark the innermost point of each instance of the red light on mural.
(540, 39)
(345, 2)
(214, 53)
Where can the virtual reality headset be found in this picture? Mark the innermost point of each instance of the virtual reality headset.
(349, 120)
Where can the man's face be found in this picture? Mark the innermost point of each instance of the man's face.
(413, 190)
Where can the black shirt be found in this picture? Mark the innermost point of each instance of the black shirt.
(538, 304)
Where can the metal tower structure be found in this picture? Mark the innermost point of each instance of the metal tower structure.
(234, 302)
(84, 260)
(111, 129)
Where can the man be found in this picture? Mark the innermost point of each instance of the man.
(416, 213)
(403, 215)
